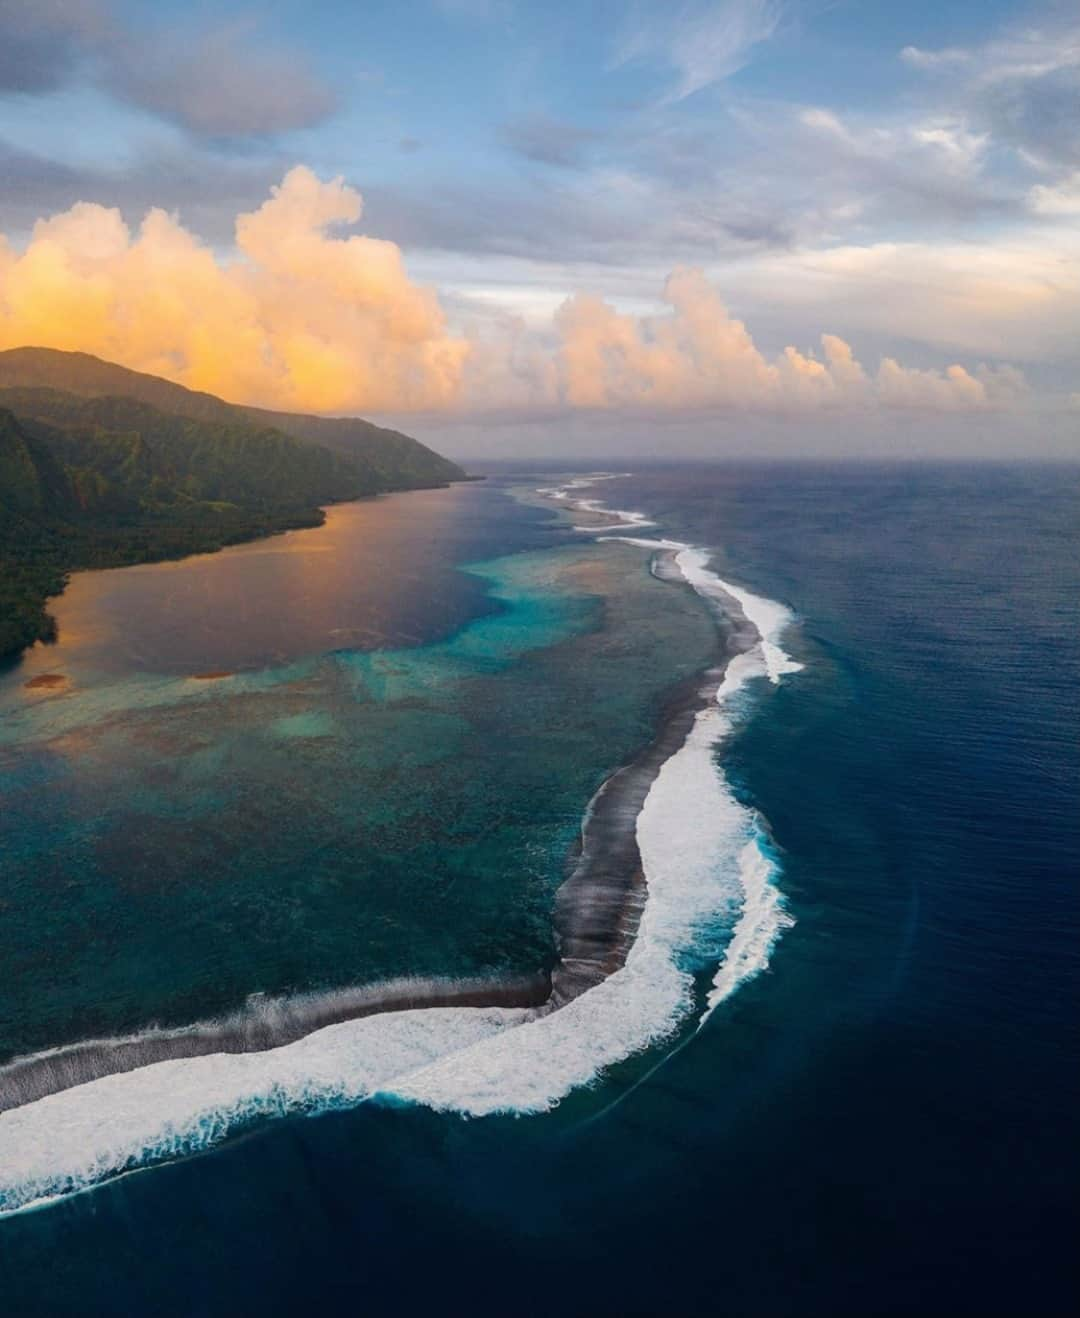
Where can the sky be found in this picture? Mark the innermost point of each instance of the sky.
(517, 229)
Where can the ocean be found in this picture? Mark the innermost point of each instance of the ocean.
(826, 1060)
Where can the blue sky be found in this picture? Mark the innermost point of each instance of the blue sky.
(903, 176)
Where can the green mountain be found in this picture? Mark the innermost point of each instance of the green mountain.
(32, 482)
(387, 459)
(159, 456)
(36, 501)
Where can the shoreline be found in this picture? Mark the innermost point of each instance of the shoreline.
(596, 911)
(262, 1024)
(598, 906)
(642, 894)
(596, 914)
(301, 519)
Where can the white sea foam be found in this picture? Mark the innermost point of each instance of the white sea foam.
(770, 619)
(768, 616)
(761, 917)
(711, 897)
(76, 1137)
(690, 833)
(761, 921)
(626, 519)
(622, 519)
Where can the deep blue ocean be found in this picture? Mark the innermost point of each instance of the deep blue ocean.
(882, 1123)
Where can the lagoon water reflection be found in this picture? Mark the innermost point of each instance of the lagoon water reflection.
(380, 573)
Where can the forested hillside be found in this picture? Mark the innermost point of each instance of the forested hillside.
(387, 458)
(155, 456)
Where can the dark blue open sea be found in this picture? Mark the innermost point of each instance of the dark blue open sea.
(365, 751)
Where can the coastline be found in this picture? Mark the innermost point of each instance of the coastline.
(302, 519)
(261, 1025)
(835, 1067)
(596, 914)
(597, 910)
(667, 859)
(599, 906)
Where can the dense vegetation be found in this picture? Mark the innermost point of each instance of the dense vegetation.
(91, 479)
(387, 459)
(120, 448)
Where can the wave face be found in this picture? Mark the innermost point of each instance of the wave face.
(674, 875)
(263, 1023)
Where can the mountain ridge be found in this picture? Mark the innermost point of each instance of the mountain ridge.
(396, 461)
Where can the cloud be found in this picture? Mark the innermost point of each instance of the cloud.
(1023, 88)
(698, 357)
(1015, 296)
(301, 319)
(918, 168)
(43, 41)
(220, 82)
(1057, 201)
(166, 172)
(545, 140)
(662, 189)
(960, 148)
(27, 175)
(604, 215)
(306, 318)
(702, 43)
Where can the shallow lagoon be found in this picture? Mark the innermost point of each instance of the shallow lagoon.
(176, 842)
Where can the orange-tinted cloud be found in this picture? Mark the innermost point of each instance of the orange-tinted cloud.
(698, 356)
(300, 319)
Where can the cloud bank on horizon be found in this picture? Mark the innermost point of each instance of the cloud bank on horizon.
(698, 209)
(302, 318)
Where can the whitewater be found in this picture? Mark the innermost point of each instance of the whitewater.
(712, 899)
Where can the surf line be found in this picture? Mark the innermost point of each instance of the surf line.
(664, 849)
(751, 627)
